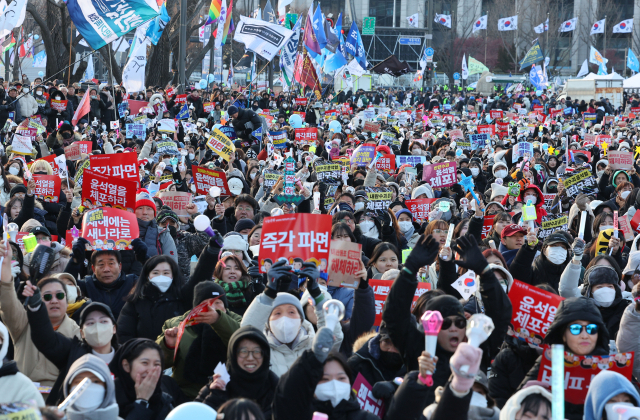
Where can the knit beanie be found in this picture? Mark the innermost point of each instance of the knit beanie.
(208, 290)
(287, 298)
(143, 198)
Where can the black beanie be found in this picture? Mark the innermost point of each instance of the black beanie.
(601, 274)
(207, 290)
(447, 306)
(18, 188)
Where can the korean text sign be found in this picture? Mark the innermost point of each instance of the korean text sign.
(381, 290)
(345, 260)
(108, 228)
(534, 310)
(620, 159)
(582, 182)
(306, 135)
(300, 235)
(368, 402)
(177, 201)
(420, 208)
(363, 155)
(220, 144)
(103, 190)
(410, 160)
(279, 139)
(206, 178)
(121, 165)
(386, 163)
(48, 187)
(440, 175)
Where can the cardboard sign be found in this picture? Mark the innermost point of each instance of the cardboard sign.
(440, 175)
(120, 165)
(108, 228)
(21, 145)
(381, 290)
(220, 144)
(279, 139)
(138, 130)
(387, 163)
(420, 208)
(59, 106)
(205, 178)
(371, 127)
(533, 311)
(99, 190)
(306, 135)
(580, 370)
(553, 223)
(300, 235)
(345, 259)
(47, 187)
(363, 155)
(177, 200)
(367, 401)
(620, 159)
(581, 182)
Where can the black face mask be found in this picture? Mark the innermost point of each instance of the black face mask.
(173, 232)
(67, 135)
(391, 360)
(552, 190)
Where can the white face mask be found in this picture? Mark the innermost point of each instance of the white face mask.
(604, 296)
(91, 399)
(366, 226)
(478, 400)
(252, 175)
(25, 90)
(416, 150)
(625, 194)
(72, 293)
(98, 335)
(531, 198)
(334, 391)
(167, 161)
(475, 171)
(161, 282)
(285, 329)
(608, 408)
(405, 226)
(599, 173)
(556, 254)
(39, 92)
(501, 173)
(359, 205)
(192, 156)
(14, 171)
(57, 98)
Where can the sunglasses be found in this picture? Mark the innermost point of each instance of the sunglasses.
(461, 323)
(48, 296)
(576, 329)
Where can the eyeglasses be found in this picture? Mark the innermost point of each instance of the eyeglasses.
(461, 323)
(48, 296)
(576, 329)
(244, 353)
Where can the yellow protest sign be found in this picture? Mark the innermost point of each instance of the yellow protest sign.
(220, 144)
(603, 241)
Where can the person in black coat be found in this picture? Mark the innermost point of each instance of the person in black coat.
(98, 106)
(602, 286)
(7, 105)
(244, 121)
(248, 359)
(159, 294)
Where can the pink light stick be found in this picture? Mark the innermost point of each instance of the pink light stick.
(432, 322)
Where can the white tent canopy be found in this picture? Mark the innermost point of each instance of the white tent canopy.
(632, 83)
(612, 76)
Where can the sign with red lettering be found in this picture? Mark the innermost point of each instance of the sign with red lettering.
(548, 199)
(625, 227)
(73, 151)
(367, 401)
(48, 187)
(386, 163)
(533, 311)
(54, 165)
(381, 291)
(109, 228)
(502, 126)
(345, 259)
(120, 165)
(539, 108)
(487, 224)
(306, 135)
(371, 127)
(580, 370)
(301, 235)
(59, 105)
(181, 99)
(206, 178)
(177, 201)
(440, 175)
(99, 190)
(170, 92)
(420, 208)
(603, 138)
(487, 129)
(456, 134)
(620, 159)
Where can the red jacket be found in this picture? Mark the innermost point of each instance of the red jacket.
(539, 202)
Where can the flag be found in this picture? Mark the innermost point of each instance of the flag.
(351, 44)
(602, 69)
(533, 55)
(334, 62)
(508, 24)
(465, 70)
(282, 7)
(228, 24)
(83, 107)
(184, 113)
(7, 46)
(413, 20)
(310, 40)
(392, 66)
(12, 16)
(308, 76)
(102, 25)
(89, 72)
(318, 27)
(535, 78)
(244, 65)
(632, 61)
(476, 66)
(133, 72)
(542, 27)
(156, 27)
(595, 57)
(444, 20)
(624, 27)
(214, 11)
(289, 53)
(584, 70)
(222, 18)
(568, 25)
(598, 27)
(40, 59)
(480, 24)
(264, 38)
(230, 75)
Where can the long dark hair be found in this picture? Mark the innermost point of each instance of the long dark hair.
(241, 408)
(137, 292)
(379, 249)
(342, 227)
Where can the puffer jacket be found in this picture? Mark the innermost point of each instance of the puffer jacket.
(27, 106)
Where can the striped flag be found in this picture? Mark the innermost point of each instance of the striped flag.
(11, 43)
(214, 11)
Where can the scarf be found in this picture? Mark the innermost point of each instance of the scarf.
(234, 291)
(73, 307)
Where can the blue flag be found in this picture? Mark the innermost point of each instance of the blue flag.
(338, 25)
(257, 133)
(534, 77)
(102, 25)
(632, 61)
(318, 27)
(351, 44)
(334, 62)
(154, 32)
(184, 113)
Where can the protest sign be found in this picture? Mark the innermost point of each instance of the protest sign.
(279, 139)
(167, 147)
(603, 138)
(410, 160)
(440, 175)
(58, 106)
(100, 190)
(371, 127)
(220, 144)
(379, 198)
(47, 187)
(166, 125)
(177, 201)
(138, 130)
(85, 146)
(228, 131)
(495, 114)
(625, 227)
(456, 134)
(271, 176)
(548, 200)
(581, 182)
(589, 116)
(478, 141)
(345, 259)
(487, 224)
(119, 165)
(21, 145)
(522, 149)
(533, 311)
(381, 291)
(109, 228)
(579, 371)
(590, 138)
(209, 106)
(300, 101)
(487, 129)
(363, 390)
(420, 208)
(136, 106)
(180, 99)
(553, 223)
(79, 171)
(301, 235)
(326, 171)
(205, 178)
(51, 159)
(363, 155)
(386, 163)
(620, 159)
(306, 135)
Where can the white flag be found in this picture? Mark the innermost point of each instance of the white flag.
(444, 20)
(282, 7)
(12, 17)
(413, 20)
(89, 72)
(568, 25)
(584, 70)
(480, 23)
(598, 27)
(133, 73)
(508, 24)
(465, 71)
(61, 161)
(355, 68)
(221, 20)
(266, 39)
(624, 27)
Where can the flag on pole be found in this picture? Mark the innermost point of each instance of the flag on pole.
(228, 24)
(465, 71)
(632, 61)
(444, 20)
(230, 76)
(262, 37)
(624, 27)
(584, 70)
(508, 23)
(6, 46)
(318, 27)
(307, 76)
(476, 66)
(214, 11)
(310, 40)
(221, 21)
(413, 20)
(83, 108)
(480, 24)
(540, 29)
(156, 27)
(596, 58)
(598, 27)
(568, 25)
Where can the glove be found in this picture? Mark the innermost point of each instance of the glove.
(254, 270)
(79, 249)
(424, 253)
(471, 257)
(322, 343)
(15, 268)
(276, 272)
(36, 300)
(216, 241)
(481, 413)
(384, 218)
(310, 271)
(140, 249)
(465, 355)
(384, 389)
(578, 248)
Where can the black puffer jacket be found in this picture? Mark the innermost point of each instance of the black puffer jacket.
(368, 361)
(240, 123)
(544, 271)
(111, 295)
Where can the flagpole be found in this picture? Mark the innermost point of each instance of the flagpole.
(70, 45)
(545, 26)
(604, 39)
(486, 36)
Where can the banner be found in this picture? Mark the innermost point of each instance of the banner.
(410, 160)
(108, 228)
(177, 201)
(365, 397)
(47, 187)
(302, 235)
(345, 259)
(420, 208)
(205, 178)
(440, 175)
(620, 159)
(581, 182)
(168, 147)
(327, 171)
(279, 139)
(264, 38)
(381, 291)
(100, 190)
(133, 74)
(553, 223)
(386, 163)
(220, 144)
(533, 56)
(533, 311)
(59, 106)
(119, 165)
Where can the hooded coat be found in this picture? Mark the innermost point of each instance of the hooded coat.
(514, 404)
(612, 315)
(374, 364)
(540, 211)
(108, 409)
(604, 386)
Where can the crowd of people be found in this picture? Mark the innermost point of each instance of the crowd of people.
(186, 315)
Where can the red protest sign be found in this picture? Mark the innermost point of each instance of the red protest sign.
(620, 159)
(386, 163)
(590, 138)
(58, 105)
(73, 151)
(487, 224)
(301, 235)
(625, 227)
(502, 126)
(203, 307)
(181, 99)
(381, 291)
(170, 91)
(100, 190)
(47, 186)
(121, 165)
(300, 101)
(54, 165)
(371, 127)
(440, 175)
(495, 114)
(136, 106)
(635, 221)
(539, 108)
(85, 146)
(580, 370)
(362, 388)
(420, 208)
(109, 228)
(603, 138)
(456, 134)
(553, 112)
(306, 135)
(533, 311)
(345, 260)
(487, 129)
(177, 201)
(209, 106)
(207, 178)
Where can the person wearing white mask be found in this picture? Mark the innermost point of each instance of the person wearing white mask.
(405, 222)
(159, 294)
(608, 389)
(602, 285)
(550, 264)
(75, 301)
(27, 105)
(98, 401)
(499, 170)
(281, 317)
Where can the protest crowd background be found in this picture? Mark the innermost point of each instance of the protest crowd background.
(233, 253)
